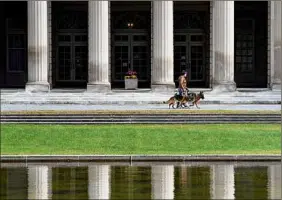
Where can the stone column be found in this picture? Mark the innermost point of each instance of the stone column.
(276, 45)
(223, 183)
(274, 182)
(37, 47)
(162, 69)
(98, 64)
(163, 182)
(223, 46)
(39, 182)
(99, 182)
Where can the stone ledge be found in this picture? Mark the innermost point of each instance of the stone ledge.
(136, 158)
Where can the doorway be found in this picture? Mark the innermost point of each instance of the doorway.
(131, 52)
(13, 51)
(251, 44)
(131, 42)
(191, 42)
(70, 44)
(71, 57)
(189, 55)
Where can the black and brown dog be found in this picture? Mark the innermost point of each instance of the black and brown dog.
(194, 98)
(191, 97)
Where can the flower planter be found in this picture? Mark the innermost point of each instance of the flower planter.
(131, 83)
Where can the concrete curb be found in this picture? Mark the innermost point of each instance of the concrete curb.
(136, 158)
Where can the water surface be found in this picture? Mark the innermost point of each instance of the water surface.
(162, 181)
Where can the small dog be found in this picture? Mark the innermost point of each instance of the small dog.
(191, 97)
(194, 98)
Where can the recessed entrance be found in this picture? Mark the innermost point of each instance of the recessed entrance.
(191, 42)
(70, 44)
(130, 44)
(13, 48)
(251, 44)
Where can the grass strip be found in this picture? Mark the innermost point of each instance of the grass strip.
(127, 112)
(140, 139)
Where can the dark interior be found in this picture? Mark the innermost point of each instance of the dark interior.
(251, 44)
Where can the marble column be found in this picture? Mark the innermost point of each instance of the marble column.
(98, 30)
(37, 47)
(223, 46)
(99, 182)
(223, 183)
(276, 45)
(274, 181)
(163, 182)
(39, 182)
(162, 69)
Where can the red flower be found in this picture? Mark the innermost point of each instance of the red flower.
(131, 73)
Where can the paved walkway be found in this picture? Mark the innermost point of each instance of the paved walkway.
(134, 97)
(30, 107)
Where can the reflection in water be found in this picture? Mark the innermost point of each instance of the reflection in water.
(39, 182)
(99, 182)
(222, 186)
(274, 182)
(163, 182)
(217, 181)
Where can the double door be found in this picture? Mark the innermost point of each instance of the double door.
(72, 57)
(189, 55)
(130, 51)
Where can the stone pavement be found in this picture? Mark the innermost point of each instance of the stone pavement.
(139, 97)
(75, 107)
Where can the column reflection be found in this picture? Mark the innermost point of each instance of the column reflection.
(99, 182)
(163, 182)
(223, 183)
(274, 182)
(39, 182)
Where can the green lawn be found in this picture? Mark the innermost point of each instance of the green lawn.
(141, 139)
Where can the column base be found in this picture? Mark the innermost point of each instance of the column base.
(96, 87)
(37, 87)
(224, 87)
(276, 87)
(163, 88)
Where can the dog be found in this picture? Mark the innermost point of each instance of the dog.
(194, 98)
(182, 100)
(175, 99)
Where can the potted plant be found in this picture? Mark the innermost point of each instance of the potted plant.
(131, 80)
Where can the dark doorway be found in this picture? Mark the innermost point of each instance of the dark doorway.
(130, 44)
(251, 43)
(191, 42)
(13, 48)
(70, 44)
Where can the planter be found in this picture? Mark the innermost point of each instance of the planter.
(131, 84)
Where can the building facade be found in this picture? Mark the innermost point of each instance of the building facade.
(92, 44)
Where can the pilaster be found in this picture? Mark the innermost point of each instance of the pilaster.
(276, 45)
(162, 72)
(223, 46)
(98, 64)
(37, 47)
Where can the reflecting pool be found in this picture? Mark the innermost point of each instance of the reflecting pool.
(259, 180)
